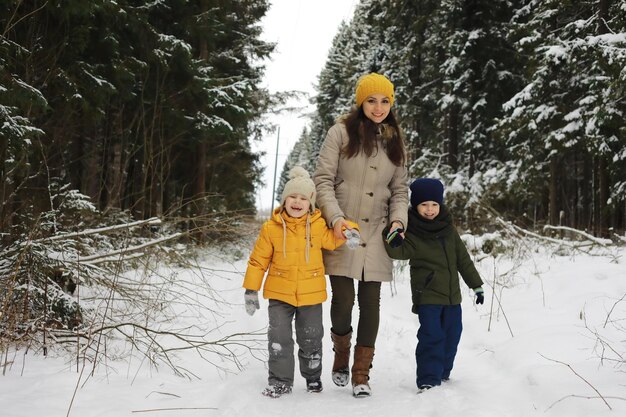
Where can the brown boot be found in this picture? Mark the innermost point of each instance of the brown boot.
(363, 357)
(341, 366)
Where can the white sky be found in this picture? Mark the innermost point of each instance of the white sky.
(303, 31)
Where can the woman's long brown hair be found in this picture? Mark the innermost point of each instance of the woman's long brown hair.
(362, 136)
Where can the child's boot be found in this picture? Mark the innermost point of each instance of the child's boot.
(275, 391)
(314, 385)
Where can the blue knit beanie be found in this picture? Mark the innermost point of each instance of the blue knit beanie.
(426, 189)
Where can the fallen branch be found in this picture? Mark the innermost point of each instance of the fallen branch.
(599, 241)
(622, 238)
(583, 397)
(87, 232)
(108, 257)
(537, 236)
(163, 393)
(174, 409)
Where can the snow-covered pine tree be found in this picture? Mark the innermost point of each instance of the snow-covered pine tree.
(563, 127)
(123, 115)
(300, 155)
(515, 104)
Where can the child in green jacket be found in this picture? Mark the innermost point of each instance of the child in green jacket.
(436, 256)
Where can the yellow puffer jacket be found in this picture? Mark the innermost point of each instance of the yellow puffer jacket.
(296, 275)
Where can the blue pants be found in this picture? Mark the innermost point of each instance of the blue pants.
(437, 341)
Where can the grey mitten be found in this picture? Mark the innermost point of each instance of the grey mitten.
(353, 238)
(251, 298)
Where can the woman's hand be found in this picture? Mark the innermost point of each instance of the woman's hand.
(396, 225)
(340, 224)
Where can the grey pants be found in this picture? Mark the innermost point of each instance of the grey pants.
(309, 332)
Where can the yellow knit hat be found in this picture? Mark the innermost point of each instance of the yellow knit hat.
(373, 84)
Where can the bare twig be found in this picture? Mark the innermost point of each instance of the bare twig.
(163, 393)
(495, 296)
(11, 24)
(174, 409)
(80, 376)
(581, 377)
(493, 290)
(613, 308)
(584, 397)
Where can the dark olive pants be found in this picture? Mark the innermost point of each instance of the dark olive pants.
(341, 305)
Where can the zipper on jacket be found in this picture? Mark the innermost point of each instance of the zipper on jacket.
(443, 245)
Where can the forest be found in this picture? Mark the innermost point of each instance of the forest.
(518, 106)
(128, 123)
(142, 107)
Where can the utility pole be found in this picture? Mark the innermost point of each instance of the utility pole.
(275, 168)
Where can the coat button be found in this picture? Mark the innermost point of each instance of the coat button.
(371, 194)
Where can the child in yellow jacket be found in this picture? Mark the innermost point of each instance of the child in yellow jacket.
(290, 245)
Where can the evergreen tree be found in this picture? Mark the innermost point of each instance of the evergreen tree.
(517, 104)
(566, 124)
(140, 105)
(300, 155)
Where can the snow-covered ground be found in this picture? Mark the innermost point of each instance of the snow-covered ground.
(552, 343)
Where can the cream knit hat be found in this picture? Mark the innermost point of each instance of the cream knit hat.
(300, 183)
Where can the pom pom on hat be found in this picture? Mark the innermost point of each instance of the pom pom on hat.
(373, 84)
(426, 189)
(300, 183)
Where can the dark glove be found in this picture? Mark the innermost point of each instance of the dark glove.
(251, 298)
(394, 238)
(480, 295)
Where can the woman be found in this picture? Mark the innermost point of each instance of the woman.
(361, 177)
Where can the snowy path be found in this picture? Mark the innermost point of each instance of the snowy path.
(550, 303)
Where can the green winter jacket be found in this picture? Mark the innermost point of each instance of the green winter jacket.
(436, 256)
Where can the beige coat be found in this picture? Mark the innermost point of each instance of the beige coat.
(370, 191)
